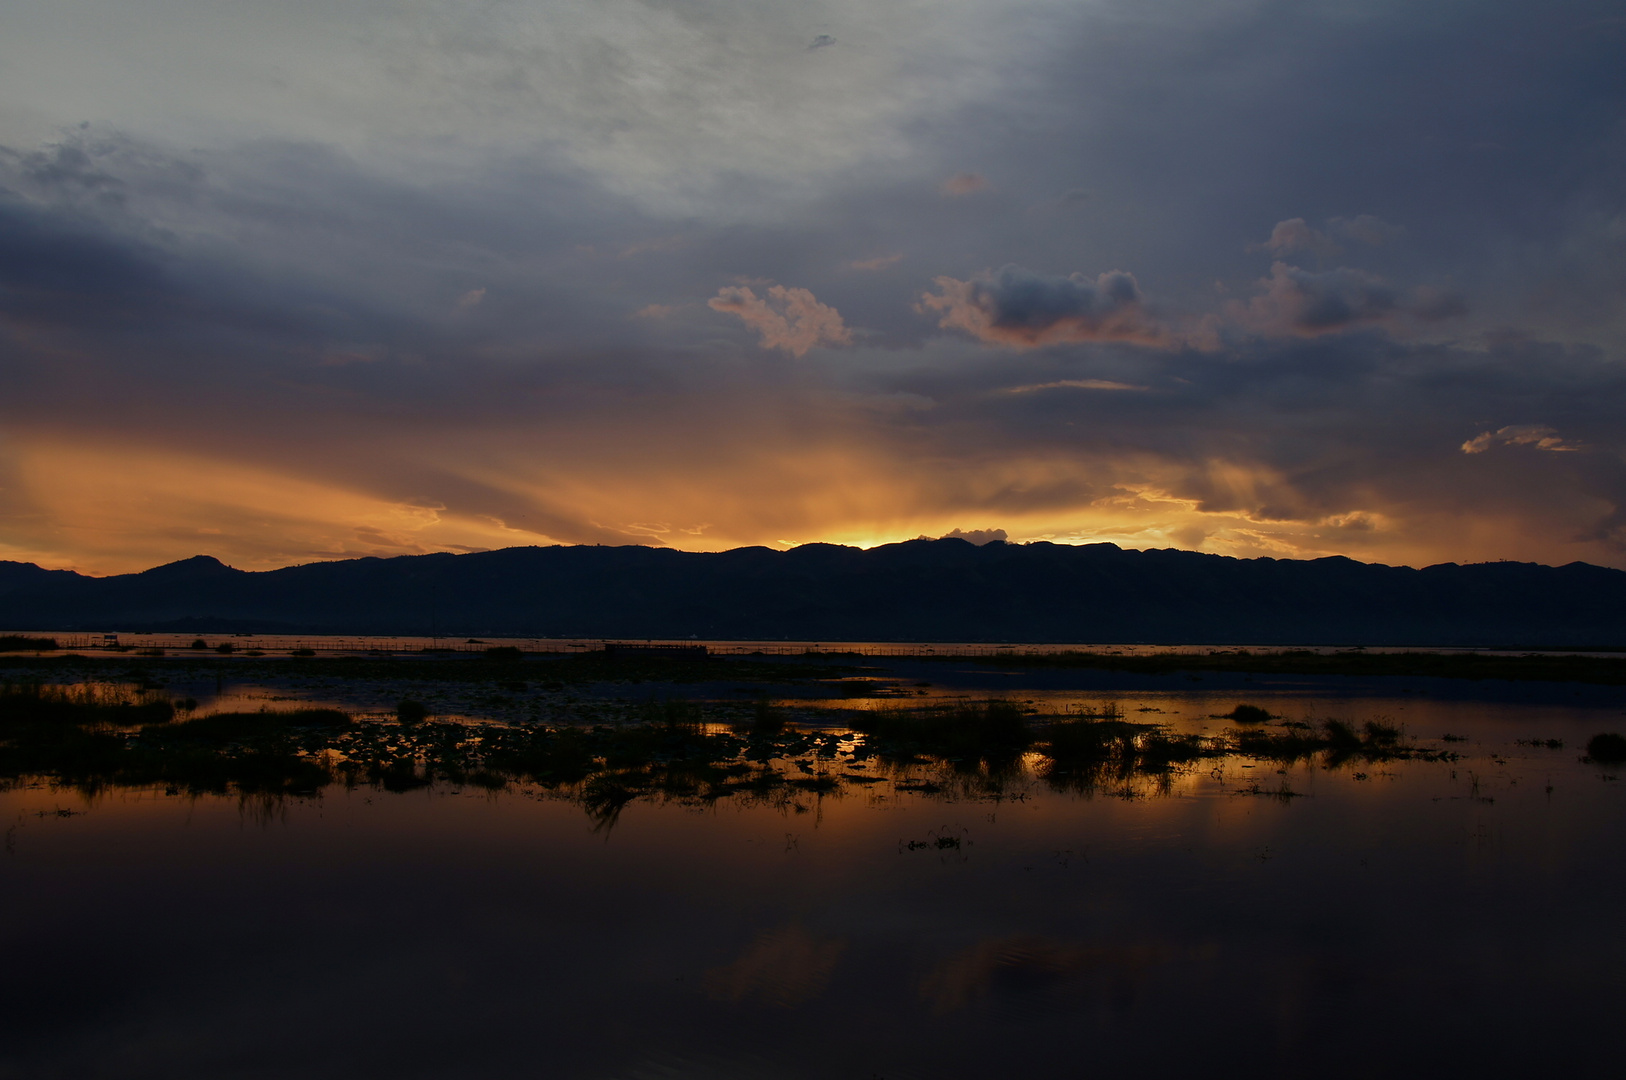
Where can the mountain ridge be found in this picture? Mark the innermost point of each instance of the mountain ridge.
(918, 590)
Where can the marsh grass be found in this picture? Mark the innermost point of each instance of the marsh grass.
(23, 704)
(1334, 743)
(20, 643)
(1087, 755)
(604, 757)
(766, 719)
(92, 737)
(994, 732)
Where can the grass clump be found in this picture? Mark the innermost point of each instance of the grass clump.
(1335, 742)
(766, 719)
(1081, 755)
(1607, 748)
(990, 731)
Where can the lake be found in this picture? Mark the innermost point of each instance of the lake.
(1451, 909)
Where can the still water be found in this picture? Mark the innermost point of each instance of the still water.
(1406, 917)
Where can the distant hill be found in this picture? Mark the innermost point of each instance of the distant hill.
(923, 590)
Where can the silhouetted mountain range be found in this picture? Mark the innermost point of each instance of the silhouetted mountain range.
(923, 590)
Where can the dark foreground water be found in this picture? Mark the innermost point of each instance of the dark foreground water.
(1404, 918)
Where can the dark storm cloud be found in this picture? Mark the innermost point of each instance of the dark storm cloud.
(55, 269)
(1015, 306)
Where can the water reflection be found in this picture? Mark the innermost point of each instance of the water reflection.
(705, 889)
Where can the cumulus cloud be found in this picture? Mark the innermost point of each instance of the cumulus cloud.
(976, 536)
(964, 183)
(1536, 435)
(1015, 306)
(1298, 302)
(790, 319)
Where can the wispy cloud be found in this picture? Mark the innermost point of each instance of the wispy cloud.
(880, 262)
(787, 318)
(1074, 384)
(1534, 435)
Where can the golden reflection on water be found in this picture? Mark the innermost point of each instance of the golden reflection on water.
(924, 918)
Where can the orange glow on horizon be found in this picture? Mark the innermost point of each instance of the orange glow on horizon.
(104, 509)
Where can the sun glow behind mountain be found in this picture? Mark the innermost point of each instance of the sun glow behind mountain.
(287, 285)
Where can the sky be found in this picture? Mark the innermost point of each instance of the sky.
(290, 282)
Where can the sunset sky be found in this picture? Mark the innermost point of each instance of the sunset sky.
(284, 282)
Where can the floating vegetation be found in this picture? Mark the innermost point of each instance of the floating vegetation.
(1282, 792)
(574, 726)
